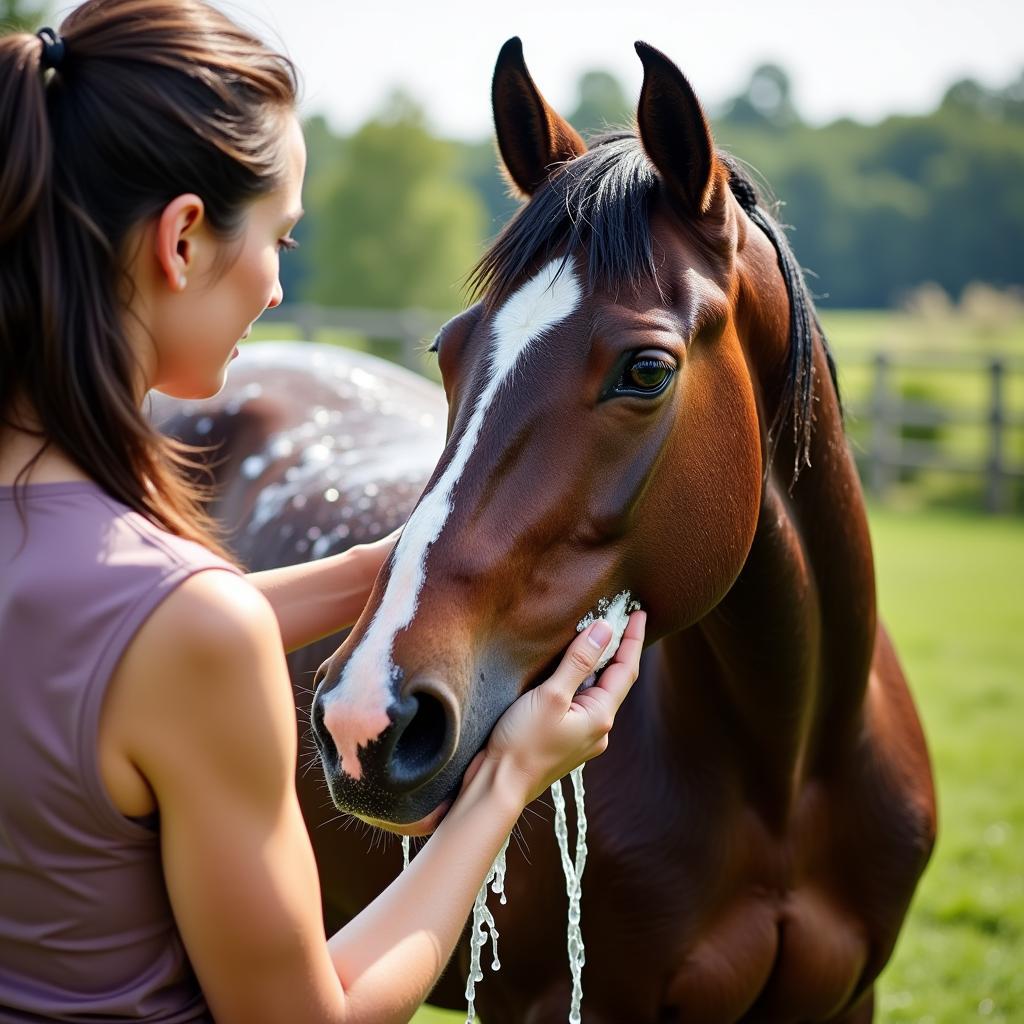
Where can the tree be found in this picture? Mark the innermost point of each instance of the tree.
(601, 104)
(766, 101)
(391, 225)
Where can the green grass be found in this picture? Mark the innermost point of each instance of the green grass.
(951, 590)
(952, 593)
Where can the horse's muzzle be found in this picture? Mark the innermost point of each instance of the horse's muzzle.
(403, 776)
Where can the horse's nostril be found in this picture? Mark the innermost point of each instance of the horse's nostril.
(419, 750)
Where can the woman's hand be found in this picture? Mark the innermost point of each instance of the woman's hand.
(554, 727)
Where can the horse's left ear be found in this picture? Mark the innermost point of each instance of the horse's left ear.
(675, 133)
(531, 135)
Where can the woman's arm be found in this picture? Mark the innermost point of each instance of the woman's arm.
(318, 598)
(206, 684)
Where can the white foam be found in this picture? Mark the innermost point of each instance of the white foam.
(615, 611)
(358, 704)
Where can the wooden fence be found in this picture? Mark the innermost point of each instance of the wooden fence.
(891, 418)
(888, 414)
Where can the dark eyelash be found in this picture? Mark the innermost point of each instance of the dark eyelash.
(288, 244)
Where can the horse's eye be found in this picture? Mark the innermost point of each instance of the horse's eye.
(646, 375)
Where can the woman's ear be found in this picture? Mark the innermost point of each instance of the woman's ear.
(176, 239)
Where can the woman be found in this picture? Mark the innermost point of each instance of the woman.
(153, 861)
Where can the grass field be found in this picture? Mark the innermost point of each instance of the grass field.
(952, 593)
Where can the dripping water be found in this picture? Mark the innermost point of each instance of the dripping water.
(573, 871)
(483, 923)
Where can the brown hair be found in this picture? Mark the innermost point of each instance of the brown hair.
(152, 99)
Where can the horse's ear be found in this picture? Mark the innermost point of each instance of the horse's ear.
(531, 136)
(675, 132)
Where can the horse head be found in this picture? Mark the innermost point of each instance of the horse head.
(612, 402)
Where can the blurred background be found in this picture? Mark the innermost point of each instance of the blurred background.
(893, 137)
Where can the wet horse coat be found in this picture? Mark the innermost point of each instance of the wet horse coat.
(764, 809)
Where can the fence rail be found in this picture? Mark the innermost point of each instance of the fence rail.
(886, 413)
(409, 327)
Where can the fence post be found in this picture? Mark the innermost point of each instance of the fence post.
(996, 491)
(881, 443)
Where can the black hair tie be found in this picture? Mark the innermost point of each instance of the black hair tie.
(53, 49)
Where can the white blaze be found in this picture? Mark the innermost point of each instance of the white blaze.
(355, 711)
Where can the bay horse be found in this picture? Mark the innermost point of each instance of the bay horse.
(642, 400)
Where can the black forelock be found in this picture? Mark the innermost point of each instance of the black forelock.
(601, 202)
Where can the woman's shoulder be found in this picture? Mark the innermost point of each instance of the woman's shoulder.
(214, 615)
(204, 675)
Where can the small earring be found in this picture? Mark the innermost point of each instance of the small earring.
(182, 281)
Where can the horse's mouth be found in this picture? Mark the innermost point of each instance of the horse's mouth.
(423, 827)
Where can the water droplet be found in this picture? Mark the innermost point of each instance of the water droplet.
(253, 466)
(204, 425)
(331, 494)
(316, 453)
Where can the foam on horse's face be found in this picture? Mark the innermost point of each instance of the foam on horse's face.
(355, 710)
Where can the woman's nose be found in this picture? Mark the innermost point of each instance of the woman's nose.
(276, 296)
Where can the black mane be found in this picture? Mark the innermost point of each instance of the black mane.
(600, 202)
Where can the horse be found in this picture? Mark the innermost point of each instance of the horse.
(642, 399)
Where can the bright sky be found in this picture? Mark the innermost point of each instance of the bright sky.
(865, 58)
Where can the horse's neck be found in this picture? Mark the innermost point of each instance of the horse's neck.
(786, 654)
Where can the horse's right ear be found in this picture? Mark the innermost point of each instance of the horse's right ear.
(531, 136)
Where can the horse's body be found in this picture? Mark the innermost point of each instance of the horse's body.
(632, 416)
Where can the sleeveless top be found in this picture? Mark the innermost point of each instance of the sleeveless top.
(86, 928)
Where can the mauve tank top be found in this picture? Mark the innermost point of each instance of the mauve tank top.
(86, 928)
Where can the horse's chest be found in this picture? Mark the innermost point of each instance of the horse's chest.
(694, 923)
(793, 958)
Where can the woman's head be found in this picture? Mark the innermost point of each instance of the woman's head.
(148, 183)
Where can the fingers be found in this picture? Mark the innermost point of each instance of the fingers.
(578, 662)
(619, 675)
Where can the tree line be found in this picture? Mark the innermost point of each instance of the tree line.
(398, 215)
